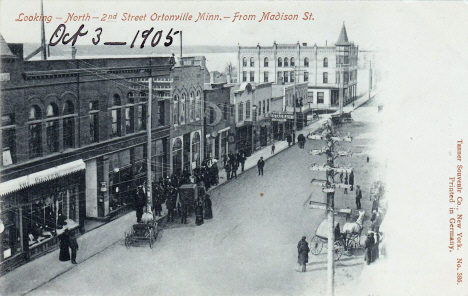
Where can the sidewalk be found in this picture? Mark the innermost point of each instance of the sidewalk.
(36, 273)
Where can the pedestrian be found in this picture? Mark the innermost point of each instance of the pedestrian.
(199, 214)
(369, 245)
(289, 139)
(358, 197)
(224, 160)
(139, 202)
(273, 149)
(260, 165)
(294, 138)
(64, 239)
(243, 158)
(208, 209)
(184, 213)
(234, 168)
(375, 204)
(351, 180)
(227, 168)
(303, 254)
(367, 158)
(376, 245)
(74, 248)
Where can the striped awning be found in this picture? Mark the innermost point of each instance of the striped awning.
(42, 176)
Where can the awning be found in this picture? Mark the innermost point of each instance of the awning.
(42, 176)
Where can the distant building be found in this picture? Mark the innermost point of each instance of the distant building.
(327, 69)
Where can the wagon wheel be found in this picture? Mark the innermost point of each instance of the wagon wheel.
(316, 245)
(338, 250)
(128, 240)
(351, 248)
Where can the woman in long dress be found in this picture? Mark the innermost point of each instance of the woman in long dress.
(208, 210)
(64, 239)
(199, 214)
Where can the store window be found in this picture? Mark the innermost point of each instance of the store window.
(121, 178)
(280, 62)
(52, 128)
(68, 125)
(265, 62)
(35, 132)
(10, 237)
(93, 121)
(159, 160)
(306, 62)
(8, 137)
(116, 115)
(196, 150)
(177, 155)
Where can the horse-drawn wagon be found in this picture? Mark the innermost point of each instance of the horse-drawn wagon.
(142, 232)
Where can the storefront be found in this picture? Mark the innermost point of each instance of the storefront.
(217, 144)
(244, 139)
(186, 152)
(37, 208)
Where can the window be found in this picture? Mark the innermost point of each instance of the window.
(35, 132)
(346, 76)
(244, 62)
(182, 109)
(68, 125)
(161, 113)
(177, 155)
(240, 112)
(338, 78)
(252, 62)
(306, 62)
(310, 96)
(293, 62)
(260, 108)
(198, 102)
(292, 76)
(265, 76)
(265, 62)
(52, 128)
(264, 107)
(196, 150)
(325, 77)
(306, 76)
(187, 109)
(116, 114)
(286, 62)
(325, 62)
(94, 121)
(320, 97)
(244, 76)
(252, 76)
(280, 76)
(8, 137)
(175, 110)
(268, 106)
(280, 62)
(129, 119)
(247, 110)
(286, 77)
(141, 117)
(192, 106)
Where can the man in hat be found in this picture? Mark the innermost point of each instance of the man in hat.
(260, 165)
(369, 245)
(303, 254)
(358, 197)
(74, 248)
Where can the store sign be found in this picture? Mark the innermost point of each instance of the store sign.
(278, 116)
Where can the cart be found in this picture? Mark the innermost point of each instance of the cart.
(343, 245)
(141, 232)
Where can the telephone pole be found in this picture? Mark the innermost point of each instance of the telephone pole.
(149, 173)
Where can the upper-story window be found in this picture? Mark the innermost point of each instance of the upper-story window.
(247, 110)
(35, 131)
(306, 76)
(52, 128)
(198, 106)
(293, 62)
(240, 111)
(175, 111)
(244, 76)
(306, 62)
(252, 76)
(192, 106)
(264, 106)
(286, 62)
(130, 114)
(260, 108)
(325, 77)
(265, 62)
(68, 125)
(244, 62)
(182, 109)
(141, 111)
(280, 62)
(252, 62)
(286, 76)
(116, 115)
(8, 137)
(93, 121)
(325, 62)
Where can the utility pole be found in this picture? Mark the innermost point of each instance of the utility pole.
(149, 173)
(370, 78)
(341, 89)
(43, 42)
(294, 104)
(328, 187)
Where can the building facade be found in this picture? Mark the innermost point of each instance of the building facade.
(328, 70)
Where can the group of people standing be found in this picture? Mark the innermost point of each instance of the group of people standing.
(68, 242)
(232, 162)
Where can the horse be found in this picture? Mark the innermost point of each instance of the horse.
(354, 227)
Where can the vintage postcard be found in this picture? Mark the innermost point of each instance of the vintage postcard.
(233, 147)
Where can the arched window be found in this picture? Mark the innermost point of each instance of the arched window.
(192, 106)
(252, 62)
(325, 62)
(293, 62)
(177, 155)
(265, 62)
(175, 110)
(280, 62)
(35, 131)
(187, 110)
(182, 109)
(68, 125)
(52, 128)
(306, 62)
(196, 149)
(141, 111)
(240, 111)
(116, 114)
(286, 62)
(198, 107)
(244, 62)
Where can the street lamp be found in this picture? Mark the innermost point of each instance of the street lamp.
(254, 120)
